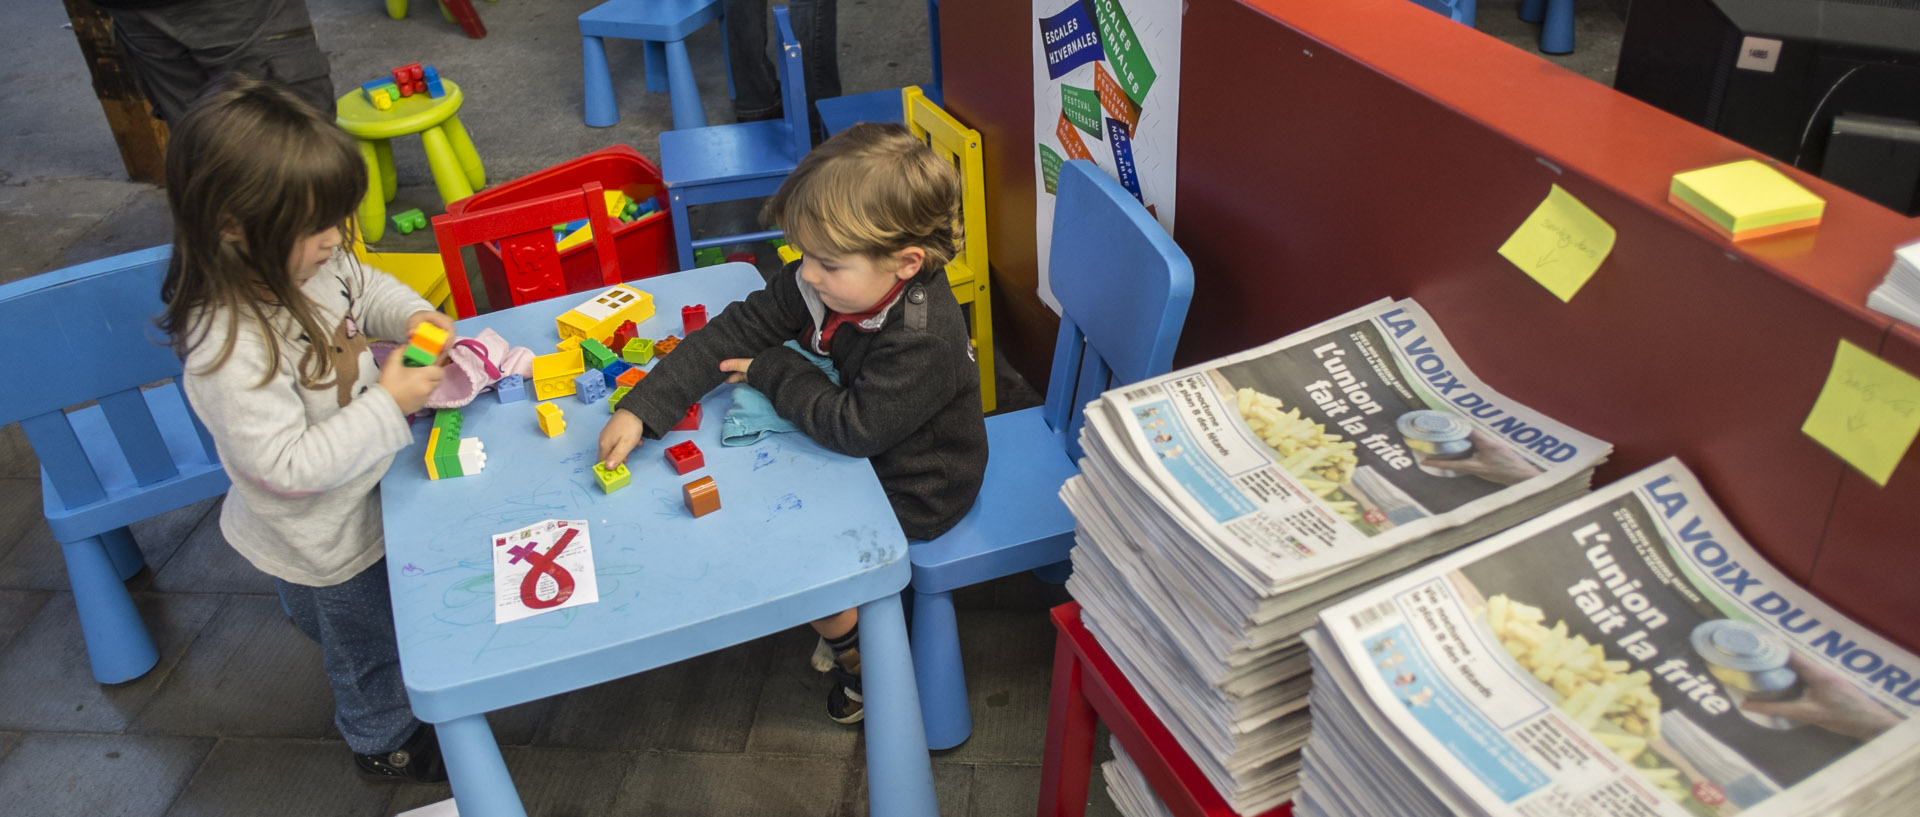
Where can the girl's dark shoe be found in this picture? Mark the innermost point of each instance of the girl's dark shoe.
(416, 761)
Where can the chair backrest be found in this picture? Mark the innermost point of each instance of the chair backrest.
(87, 333)
(959, 145)
(525, 232)
(793, 86)
(1123, 287)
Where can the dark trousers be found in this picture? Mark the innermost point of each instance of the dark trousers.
(353, 623)
(756, 85)
(174, 51)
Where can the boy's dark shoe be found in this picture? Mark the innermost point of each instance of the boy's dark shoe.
(844, 704)
(416, 761)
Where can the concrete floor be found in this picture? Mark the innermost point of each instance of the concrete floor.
(236, 719)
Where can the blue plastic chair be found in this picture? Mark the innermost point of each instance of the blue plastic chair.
(663, 26)
(739, 161)
(1459, 11)
(1123, 288)
(841, 112)
(84, 334)
(1556, 23)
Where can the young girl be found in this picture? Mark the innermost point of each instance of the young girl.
(876, 214)
(271, 317)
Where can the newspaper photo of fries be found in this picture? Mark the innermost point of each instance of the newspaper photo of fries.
(1322, 462)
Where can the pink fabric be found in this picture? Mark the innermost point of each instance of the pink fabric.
(475, 363)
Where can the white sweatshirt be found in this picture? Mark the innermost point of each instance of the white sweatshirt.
(305, 462)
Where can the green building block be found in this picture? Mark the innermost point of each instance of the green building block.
(416, 356)
(639, 351)
(597, 354)
(448, 421)
(708, 256)
(407, 221)
(611, 481)
(613, 403)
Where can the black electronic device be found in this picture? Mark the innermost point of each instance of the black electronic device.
(1774, 74)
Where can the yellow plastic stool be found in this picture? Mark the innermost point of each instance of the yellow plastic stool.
(423, 272)
(457, 171)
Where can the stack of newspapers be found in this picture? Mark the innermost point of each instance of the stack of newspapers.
(1625, 654)
(1899, 294)
(1221, 507)
(1128, 788)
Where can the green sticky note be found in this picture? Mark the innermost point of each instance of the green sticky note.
(1867, 413)
(1082, 107)
(1560, 244)
(1050, 168)
(1130, 64)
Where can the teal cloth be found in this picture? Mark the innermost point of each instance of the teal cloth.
(752, 417)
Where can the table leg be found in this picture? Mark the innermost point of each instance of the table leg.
(1067, 766)
(481, 785)
(899, 775)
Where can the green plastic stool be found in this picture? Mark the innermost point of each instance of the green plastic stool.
(457, 171)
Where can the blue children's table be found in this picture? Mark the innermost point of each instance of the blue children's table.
(801, 533)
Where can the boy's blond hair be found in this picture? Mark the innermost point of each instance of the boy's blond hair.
(873, 190)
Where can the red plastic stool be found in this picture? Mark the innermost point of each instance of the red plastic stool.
(1089, 689)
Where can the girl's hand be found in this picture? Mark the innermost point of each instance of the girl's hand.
(432, 317)
(738, 366)
(618, 438)
(409, 385)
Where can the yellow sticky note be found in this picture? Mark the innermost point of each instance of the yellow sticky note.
(1560, 244)
(1867, 413)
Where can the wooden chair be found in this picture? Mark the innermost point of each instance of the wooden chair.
(525, 233)
(1123, 289)
(967, 272)
(85, 334)
(744, 160)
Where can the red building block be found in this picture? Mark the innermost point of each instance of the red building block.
(410, 78)
(689, 422)
(703, 496)
(686, 457)
(693, 317)
(626, 332)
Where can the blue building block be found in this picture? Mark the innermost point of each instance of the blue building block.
(591, 386)
(511, 389)
(614, 370)
(434, 89)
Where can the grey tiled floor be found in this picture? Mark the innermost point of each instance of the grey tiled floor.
(236, 718)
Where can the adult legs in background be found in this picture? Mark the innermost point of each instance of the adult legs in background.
(756, 85)
(176, 50)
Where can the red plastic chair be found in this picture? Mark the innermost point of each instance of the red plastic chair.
(525, 233)
(1088, 689)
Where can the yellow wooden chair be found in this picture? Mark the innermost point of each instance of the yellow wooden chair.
(967, 272)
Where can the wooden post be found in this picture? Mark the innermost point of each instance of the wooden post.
(142, 139)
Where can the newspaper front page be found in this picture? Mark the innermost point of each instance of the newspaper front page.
(1627, 654)
(1333, 444)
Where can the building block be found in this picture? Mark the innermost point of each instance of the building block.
(511, 389)
(473, 456)
(614, 370)
(596, 354)
(613, 400)
(423, 348)
(614, 480)
(591, 386)
(686, 457)
(788, 254)
(552, 388)
(629, 378)
(598, 317)
(571, 344)
(693, 317)
(553, 374)
(552, 421)
(407, 221)
(665, 345)
(743, 258)
(689, 422)
(627, 332)
(708, 256)
(411, 78)
(382, 100)
(575, 238)
(432, 79)
(638, 351)
(449, 421)
(433, 443)
(703, 496)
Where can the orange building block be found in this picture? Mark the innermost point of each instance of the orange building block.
(703, 496)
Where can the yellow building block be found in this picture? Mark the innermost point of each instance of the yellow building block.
(433, 440)
(598, 317)
(552, 421)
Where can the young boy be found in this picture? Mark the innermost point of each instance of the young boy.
(876, 214)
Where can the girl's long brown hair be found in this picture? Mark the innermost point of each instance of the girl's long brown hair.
(251, 171)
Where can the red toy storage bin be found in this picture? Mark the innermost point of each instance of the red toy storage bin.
(645, 248)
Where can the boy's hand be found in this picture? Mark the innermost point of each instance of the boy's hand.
(738, 367)
(410, 385)
(619, 437)
(432, 317)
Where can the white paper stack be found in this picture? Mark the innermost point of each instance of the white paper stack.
(1626, 654)
(1221, 507)
(1128, 788)
(1899, 294)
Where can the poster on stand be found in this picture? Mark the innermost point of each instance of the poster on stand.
(1106, 87)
